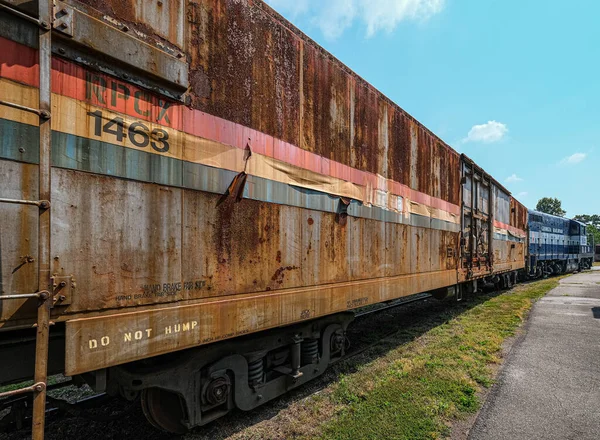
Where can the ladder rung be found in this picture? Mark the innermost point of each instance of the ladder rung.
(43, 295)
(36, 387)
(43, 204)
(41, 113)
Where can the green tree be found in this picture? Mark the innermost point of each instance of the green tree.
(595, 232)
(593, 225)
(593, 220)
(551, 206)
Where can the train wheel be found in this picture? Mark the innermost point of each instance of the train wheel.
(164, 410)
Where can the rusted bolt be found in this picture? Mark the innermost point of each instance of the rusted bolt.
(61, 51)
(62, 297)
(62, 284)
(39, 387)
(125, 28)
(56, 258)
(44, 204)
(179, 55)
(62, 26)
(21, 150)
(125, 76)
(45, 25)
(45, 114)
(43, 296)
(30, 259)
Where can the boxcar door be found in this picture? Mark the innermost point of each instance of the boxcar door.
(477, 221)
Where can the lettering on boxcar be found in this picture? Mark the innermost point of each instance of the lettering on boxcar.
(162, 290)
(145, 334)
(358, 302)
(104, 342)
(137, 336)
(96, 93)
(138, 133)
(181, 327)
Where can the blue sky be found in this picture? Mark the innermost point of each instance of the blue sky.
(513, 84)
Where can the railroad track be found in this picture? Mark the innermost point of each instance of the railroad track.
(395, 303)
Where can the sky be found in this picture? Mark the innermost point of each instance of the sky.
(513, 84)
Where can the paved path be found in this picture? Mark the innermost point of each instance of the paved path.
(549, 387)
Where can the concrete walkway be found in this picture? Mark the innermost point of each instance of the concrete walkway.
(549, 387)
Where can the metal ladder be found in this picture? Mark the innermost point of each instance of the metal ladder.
(43, 295)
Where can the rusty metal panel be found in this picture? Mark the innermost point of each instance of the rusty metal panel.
(325, 249)
(326, 113)
(398, 249)
(245, 67)
(365, 154)
(399, 139)
(372, 255)
(518, 217)
(118, 238)
(424, 161)
(18, 239)
(240, 248)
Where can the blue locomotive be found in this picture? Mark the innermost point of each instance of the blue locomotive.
(557, 245)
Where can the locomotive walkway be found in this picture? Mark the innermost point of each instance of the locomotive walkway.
(549, 387)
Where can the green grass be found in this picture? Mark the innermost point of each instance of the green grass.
(417, 390)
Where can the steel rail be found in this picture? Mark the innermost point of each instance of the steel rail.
(395, 304)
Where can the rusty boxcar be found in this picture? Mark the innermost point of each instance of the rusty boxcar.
(195, 196)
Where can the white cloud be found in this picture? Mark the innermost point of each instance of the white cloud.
(513, 179)
(386, 14)
(487, 133)
(293, 8)
(573, 159)
(523, 194)
(333, 17)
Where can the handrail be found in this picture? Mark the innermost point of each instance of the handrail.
(6, 8)
(43, 295)
(43, 204)
(36, 387)
(41, 113)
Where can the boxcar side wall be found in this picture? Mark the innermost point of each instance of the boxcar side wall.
(346, 199)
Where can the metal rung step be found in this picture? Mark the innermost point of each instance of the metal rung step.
(11, 10)
(41, 113)
(42, 295)
(35, 388)
(42, 204)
